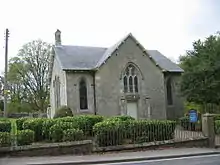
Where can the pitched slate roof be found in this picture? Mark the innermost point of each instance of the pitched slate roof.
(78, 57)
(88, 58)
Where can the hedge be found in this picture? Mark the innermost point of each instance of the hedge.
(46, 128)
(217, 127)
(5, 125)
(86, 123)
(120, 118)
(217, 117)
(111, 133)
(35, 125)
(25, 137)
(83, 122)
(72, 135)
(42, 126)
(19, 122)
(65, 119)
(5, 139)
(56, 132)
(151, 130)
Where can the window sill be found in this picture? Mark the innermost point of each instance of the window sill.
(132, 96)
(84, 110)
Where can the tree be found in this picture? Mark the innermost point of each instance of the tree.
(28, 75)
(1, 93)
(201, 80)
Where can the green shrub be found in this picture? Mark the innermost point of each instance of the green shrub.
(63, 111)
(13, 132)
(73, 135)
(86, 123)
(35, 125)
(65, 119)
(121, 118)
(5, 125)
(217, 117)
(150, 130)
(4, 119)
(25, 137)
(46, 128)
(184, 122)
(20, 122)
(5, 139)
(56, 131)
(109, 133)
(217, 127)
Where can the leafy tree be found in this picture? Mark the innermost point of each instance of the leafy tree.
(1, 105)
(201, 80)
(28, 76)
(1, 93)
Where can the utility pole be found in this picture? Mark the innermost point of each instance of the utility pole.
(6, 72)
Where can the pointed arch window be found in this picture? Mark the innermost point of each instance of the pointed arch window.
(57, 91)
(169, 92)
(130, 79)
(83, 94)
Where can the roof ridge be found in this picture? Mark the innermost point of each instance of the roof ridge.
(111, 49)
(92, 57)
(85, 46)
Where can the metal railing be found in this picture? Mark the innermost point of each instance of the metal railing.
(103, 133)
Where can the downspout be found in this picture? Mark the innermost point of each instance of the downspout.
(94, 92)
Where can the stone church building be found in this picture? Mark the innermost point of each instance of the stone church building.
(122, 79)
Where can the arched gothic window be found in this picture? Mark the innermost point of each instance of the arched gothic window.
(169, 92)
(57, 91)
(130, 79)
(83, 94)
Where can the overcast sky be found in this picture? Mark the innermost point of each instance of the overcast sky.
(169, 26)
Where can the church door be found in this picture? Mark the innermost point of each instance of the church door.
(132, 109)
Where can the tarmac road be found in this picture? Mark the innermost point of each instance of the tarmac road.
(196, 160)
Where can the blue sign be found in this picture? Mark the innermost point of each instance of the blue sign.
(193, 116)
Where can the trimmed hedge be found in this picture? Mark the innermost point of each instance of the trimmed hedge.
(86, 123)
(5, 139)
(35, 125)
(42, 127)
(83, 122)
(217, 127)
(19, 122)
(46, 128)
(153, 130)
(5, 126)
(111, 133)
(72, 135)
(25, 137)
(65, 119)
(56, 132)
(217, 117)
(120, 118)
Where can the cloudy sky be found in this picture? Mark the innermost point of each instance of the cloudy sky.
(167, 25)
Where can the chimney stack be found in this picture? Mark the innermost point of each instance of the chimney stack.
(58, 37)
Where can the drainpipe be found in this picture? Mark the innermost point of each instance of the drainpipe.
(94, 92)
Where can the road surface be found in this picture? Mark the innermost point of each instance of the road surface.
(196, 160)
